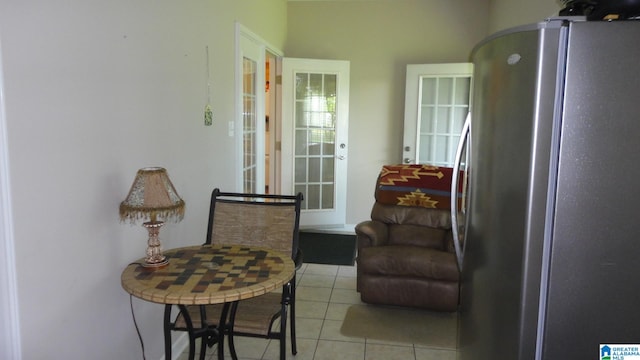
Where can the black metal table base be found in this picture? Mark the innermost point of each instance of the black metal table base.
(210, 335)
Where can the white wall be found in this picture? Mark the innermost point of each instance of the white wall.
(94, 91)
(379, 38)
(509, 13)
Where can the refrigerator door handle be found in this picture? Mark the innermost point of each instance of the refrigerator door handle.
(454, 190)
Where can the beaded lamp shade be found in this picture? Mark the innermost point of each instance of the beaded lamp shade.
(152, 196)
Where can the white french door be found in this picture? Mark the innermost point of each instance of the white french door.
(436, 105)
(315, 116)
(250, 126)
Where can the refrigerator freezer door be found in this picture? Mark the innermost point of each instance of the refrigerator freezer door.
(512, 119)
(594, 282)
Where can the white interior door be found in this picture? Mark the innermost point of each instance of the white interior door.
(256, 127)
(250, 125)
(315, 116)
(436, 104)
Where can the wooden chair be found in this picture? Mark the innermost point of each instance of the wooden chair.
(256, 220)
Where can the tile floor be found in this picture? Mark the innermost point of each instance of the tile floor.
(324, 296)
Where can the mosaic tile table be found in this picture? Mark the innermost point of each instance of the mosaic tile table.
(209, 274)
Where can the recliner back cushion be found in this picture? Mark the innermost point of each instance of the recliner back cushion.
(416, 235)
(411, 215)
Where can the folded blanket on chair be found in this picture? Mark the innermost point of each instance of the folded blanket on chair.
(417, 185)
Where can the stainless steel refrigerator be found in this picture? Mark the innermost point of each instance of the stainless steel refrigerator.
(550, 252)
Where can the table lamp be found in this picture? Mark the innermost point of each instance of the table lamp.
(152, 196)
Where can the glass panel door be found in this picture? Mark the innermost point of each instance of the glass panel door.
(249, 126)
(315, 133)
(436, 104)
(315, 115)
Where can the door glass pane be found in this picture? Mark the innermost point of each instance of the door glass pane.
(453, 144)
(424, 151)
(327, 196)
(301, 170)
(302, 114)
(442, 124)
(426, 119)
(445, 91)
(463, 86)
(314, 170)
(249, 124)
(328, 170)
(302, 80)
(442, 145)
(315, 138)
(459, 115)
(315, 83)
(301, 148)
(429, 90)
(312, 197)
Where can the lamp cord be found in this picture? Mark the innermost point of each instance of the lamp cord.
(136, 325)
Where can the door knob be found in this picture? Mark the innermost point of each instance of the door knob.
(407, 161)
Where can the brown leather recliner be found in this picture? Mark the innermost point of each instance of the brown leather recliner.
(405, 252)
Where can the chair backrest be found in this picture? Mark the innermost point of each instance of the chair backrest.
(270, 221)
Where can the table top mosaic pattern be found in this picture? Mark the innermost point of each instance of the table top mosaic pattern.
(209, 274)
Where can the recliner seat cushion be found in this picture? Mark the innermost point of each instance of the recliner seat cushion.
(408, 261)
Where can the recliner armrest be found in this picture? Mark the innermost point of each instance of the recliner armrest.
(371, 233)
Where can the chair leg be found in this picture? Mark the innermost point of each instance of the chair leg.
(232, 317)
(222, 329)
(190, 330)
(292, 318)
(203, 340)
(167, 331)
(283, 332)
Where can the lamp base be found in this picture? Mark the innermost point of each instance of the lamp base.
(153, 266)
(154, 259)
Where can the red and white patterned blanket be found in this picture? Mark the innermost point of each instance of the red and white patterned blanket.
(416, 185)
